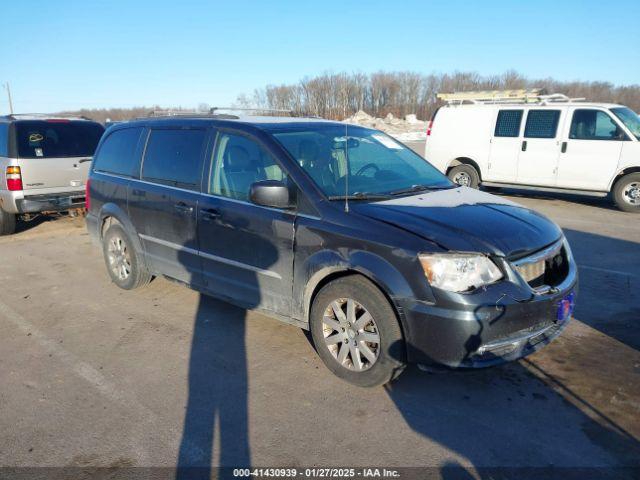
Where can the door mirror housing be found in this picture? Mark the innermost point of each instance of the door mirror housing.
(271, 193)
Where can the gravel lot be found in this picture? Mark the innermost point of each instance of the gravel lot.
(92, 375)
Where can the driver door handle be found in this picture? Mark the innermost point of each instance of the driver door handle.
(209, 213)
(183, 207)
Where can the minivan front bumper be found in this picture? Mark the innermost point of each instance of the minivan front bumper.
(502, 322)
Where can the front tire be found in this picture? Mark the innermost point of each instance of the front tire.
(124, 263)
(626, 193)
(356, 332)
(465, 176)
(7, 223)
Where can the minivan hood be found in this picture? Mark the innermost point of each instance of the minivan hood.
(468, 220)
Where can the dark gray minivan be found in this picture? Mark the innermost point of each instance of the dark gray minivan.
(337, 229)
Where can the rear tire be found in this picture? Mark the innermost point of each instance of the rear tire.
(626, 193)
(465, 176)
(363, 346)
(7, 223)
(124, 263)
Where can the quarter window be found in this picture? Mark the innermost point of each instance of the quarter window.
(594, 125)
(238, 162)
(4, 139)
(174, 157)
(542, 124)
(117, 152)
(508, 123)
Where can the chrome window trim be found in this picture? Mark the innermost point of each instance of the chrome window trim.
(219, 197)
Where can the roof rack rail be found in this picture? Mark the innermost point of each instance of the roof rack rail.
(213, 112)
(534, 95)
(47, 115)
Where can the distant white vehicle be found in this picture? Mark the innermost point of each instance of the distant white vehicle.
(525, 140)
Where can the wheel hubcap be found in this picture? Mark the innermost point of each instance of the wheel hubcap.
(631, 193)
(351, 334)
(462, 178)
(118, 257)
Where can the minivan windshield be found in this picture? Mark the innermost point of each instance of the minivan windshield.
(359, 163)
(57, 138)
(630, 119)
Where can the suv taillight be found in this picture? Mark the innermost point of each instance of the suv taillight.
(14, 179)
(429, 127)
(87, 200)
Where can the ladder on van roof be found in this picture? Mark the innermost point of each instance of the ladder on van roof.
(534, 95)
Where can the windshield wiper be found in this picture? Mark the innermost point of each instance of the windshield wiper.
(361, 196)
(418, 188)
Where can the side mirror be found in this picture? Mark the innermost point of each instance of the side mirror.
(270, 193)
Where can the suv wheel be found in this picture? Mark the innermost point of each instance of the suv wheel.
(465, 176)
(626, 193)
(7, 223)
(124, 264)
(356, 333)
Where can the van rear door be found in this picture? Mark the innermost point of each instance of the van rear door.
(540, 147)
(505, 146)
(55, 155)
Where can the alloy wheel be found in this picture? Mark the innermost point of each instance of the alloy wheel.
(351, 334)
(119, 258)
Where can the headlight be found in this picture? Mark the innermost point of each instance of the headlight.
(459, 272)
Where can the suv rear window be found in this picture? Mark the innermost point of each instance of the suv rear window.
(542, 124)
(117, 152)
(57, 138)
(508, 123)
(174, 157)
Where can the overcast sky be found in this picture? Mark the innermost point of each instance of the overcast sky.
(61, 55)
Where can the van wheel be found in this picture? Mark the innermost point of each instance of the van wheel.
(7, 223)
(465, 176)
(124, 264)
(356, 333)
(626, 193)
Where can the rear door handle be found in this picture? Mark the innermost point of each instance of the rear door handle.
(563, 149)
(524, 145)
(183, 207)
(209, 213)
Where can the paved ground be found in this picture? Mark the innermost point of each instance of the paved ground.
(91, 375)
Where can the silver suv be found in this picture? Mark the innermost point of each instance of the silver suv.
(44, 162)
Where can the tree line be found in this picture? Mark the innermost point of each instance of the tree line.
(338, 95)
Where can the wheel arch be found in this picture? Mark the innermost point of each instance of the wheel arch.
(324, 277)
(622, 173)
(464, 161)
(111, 214)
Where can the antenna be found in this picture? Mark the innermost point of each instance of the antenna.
(346, 176)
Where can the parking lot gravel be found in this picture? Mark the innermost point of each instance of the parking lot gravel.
(92, 375)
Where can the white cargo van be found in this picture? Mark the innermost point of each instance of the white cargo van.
(537, 142)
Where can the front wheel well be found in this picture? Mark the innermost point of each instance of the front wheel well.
(349, 273)
(624, 172)
(464, 161)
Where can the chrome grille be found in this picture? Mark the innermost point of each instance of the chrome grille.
(544, 267)
(531, 271)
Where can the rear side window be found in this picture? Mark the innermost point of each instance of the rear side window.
(117, 152)
(508, 123)
(4, 139)
(57, 138)
(174, 157)
(594, 125)
(542, 123)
